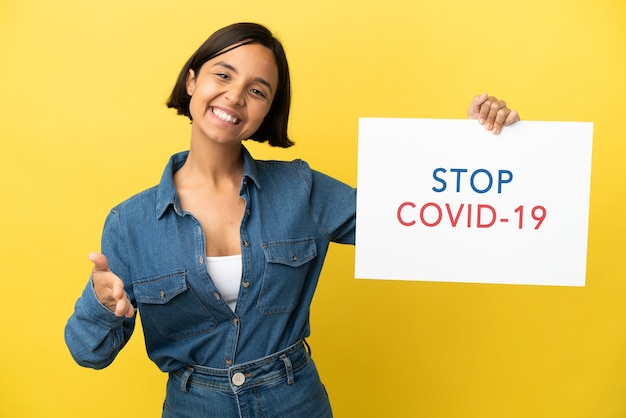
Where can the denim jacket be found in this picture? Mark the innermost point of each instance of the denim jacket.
(291, 215)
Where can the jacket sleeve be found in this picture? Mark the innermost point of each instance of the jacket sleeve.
(333, 205)
(93, 334)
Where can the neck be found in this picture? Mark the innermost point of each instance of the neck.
(214, 163)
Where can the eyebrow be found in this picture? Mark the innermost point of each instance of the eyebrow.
(233, 69)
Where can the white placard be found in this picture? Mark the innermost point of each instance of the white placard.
(447, 201)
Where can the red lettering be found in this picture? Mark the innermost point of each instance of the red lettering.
(439, 214)
(454, 220)
(493, 216)
(399, 214)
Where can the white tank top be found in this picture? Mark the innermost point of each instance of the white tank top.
(226, 275)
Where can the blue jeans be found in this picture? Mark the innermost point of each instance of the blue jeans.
(282, 385)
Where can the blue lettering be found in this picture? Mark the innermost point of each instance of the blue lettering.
(504, 177)
(481, 170)
(458, 172)
(502, 180)
(442, 181)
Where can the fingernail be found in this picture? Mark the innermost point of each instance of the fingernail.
(481, 121)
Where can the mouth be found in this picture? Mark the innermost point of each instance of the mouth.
(220, 114)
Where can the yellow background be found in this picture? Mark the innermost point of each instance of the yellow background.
(83, 126)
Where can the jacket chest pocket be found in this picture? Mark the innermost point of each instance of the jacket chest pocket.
(169, 305)
(286, 267)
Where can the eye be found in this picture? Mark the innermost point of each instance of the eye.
(223, 76)
(258, 92)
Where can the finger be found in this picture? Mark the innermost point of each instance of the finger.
(117, 289)
(100, 262)
(499, 122)
(131, 312)
(485, 110)
(474, 108)
(124, 308)
(495, 107)
(511, 118)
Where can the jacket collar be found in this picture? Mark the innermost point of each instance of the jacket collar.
(166, 191)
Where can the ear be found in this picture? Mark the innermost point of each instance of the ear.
(191, 82)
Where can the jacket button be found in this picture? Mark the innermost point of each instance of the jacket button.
(246, 243)
(246, 284)
(238, 379)
(229, 362)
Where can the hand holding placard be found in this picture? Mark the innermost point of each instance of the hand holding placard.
(491, 113)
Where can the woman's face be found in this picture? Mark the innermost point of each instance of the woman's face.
(232, 93)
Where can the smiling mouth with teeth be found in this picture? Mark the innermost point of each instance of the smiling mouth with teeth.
(225, 116)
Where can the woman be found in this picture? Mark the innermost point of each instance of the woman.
(222, 257)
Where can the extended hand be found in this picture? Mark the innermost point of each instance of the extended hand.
(491, 113)
(109, 288)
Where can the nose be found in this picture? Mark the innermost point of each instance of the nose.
(236, 94)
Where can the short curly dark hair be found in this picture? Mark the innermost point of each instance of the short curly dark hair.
(274, 127)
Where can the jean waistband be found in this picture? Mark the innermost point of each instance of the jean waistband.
(236, 378)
